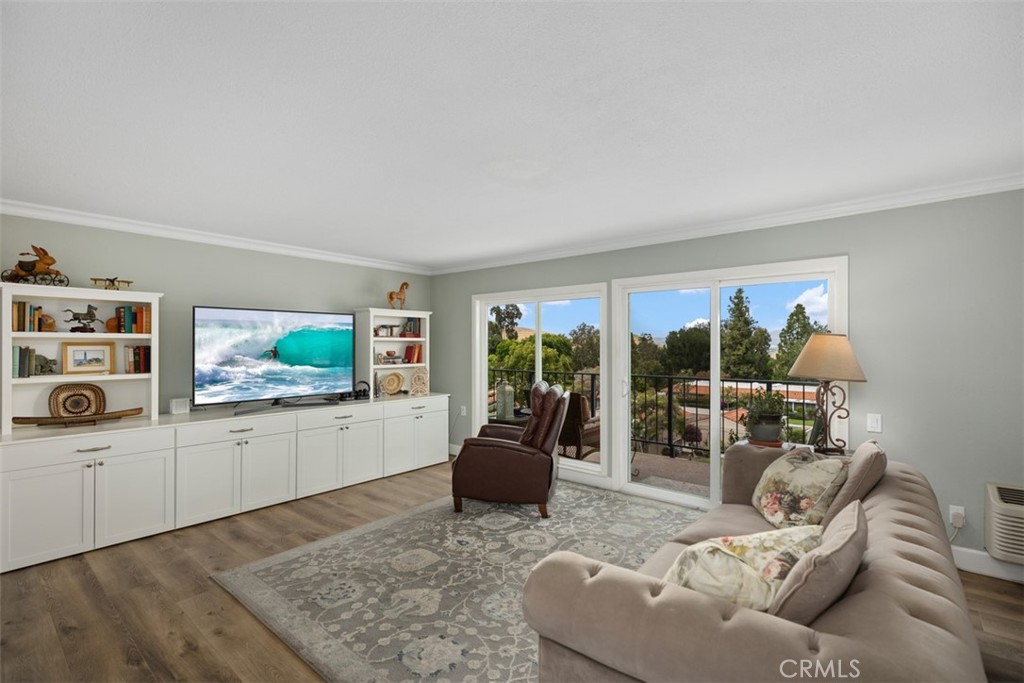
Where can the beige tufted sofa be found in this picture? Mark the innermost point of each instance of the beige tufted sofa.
(903, 618)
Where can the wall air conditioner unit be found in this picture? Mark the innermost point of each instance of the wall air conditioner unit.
(1004, 522)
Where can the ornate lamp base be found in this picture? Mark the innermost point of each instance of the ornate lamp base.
(835, 395)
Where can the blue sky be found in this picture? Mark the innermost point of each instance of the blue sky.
(659, 313)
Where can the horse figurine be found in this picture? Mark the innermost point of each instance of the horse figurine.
(398, 296)
(86, 318)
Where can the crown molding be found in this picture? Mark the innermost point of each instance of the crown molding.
(93, 220)
(992, 185)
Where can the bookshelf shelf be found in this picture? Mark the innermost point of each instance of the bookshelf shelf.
(380, 331)
(27, 396)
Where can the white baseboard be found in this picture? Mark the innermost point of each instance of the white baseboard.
(453, 448)
(980, 562)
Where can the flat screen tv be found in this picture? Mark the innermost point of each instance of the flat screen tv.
(244, 354)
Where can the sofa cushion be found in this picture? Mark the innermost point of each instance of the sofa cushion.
(798, 488)
(824, 573)
(747, 570)
(658, 563)
(728, 519)
(867, 465)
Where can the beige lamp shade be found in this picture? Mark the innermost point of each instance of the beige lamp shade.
(828, 357)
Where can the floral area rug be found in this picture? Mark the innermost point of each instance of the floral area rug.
(434, 595)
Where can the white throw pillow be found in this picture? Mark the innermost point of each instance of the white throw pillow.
(747, 570)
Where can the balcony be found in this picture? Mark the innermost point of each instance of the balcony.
(670, 419)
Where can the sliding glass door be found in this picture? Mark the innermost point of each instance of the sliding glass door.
(550, 334)
(691, 351)
(670, 389)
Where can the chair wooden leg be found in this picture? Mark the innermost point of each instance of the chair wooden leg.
(458, 503)
(543, 510)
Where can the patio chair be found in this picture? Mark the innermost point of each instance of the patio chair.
(509, 464)
(581, 434)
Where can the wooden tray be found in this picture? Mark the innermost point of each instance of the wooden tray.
(80, 420)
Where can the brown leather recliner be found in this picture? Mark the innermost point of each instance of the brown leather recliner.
(508, 464)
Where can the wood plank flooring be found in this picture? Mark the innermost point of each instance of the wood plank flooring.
(147, 610)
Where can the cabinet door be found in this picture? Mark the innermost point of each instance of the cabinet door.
(319, 461)
(209, 482)
(134, 496)
(431, 438)
(399, 444)
(268, 470)
(362, 452)
(47, 513)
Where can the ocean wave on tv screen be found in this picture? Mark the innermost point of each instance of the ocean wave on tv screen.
(235, 362)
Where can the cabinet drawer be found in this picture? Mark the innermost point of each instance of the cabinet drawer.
(43, 452)
(225, 430)
(339, 415)
(415, 406)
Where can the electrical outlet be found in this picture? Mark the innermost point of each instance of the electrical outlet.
(462, 411)
(957, 516)
(875, 422)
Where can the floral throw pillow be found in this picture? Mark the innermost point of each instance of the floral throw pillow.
(746, 570)
(799, 487)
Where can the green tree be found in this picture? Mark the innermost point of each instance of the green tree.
(518, 354)
(688, 350)
(586, 347)
(745, 344)
(799, 327)
(504, 326)
(645, 356)
(650, 410)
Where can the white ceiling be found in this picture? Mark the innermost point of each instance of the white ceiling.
(444, 136)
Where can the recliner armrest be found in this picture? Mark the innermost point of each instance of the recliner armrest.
(482, 444)
(499, 431)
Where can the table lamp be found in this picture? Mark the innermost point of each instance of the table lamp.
(828, 358)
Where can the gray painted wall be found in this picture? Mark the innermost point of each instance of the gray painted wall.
(936, 314)
(936, 307)
(191, 274)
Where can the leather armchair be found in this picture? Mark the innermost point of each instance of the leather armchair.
(508, 464)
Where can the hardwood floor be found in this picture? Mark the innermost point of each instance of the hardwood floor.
(148, 611)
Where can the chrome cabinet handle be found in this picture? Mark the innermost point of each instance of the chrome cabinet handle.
(239, 431)
(343, 417)
(418, 407)
(93, 450)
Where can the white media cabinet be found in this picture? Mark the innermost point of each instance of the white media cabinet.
(68, 490)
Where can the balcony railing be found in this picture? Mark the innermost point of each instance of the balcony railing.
(673, 412)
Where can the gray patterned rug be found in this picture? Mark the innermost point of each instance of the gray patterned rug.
(433, 595)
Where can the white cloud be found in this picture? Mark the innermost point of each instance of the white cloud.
(563, 302)
(695, 322)
(694, 291)
(815, 301)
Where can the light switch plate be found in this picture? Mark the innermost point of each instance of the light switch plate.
(875, 422)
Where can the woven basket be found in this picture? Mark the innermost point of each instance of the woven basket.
(77, 400)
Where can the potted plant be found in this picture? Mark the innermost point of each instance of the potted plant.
(764, 416)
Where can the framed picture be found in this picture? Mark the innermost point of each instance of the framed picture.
(93, 358)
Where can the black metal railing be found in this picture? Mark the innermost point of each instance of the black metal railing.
(586, 383)
(671, 413)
